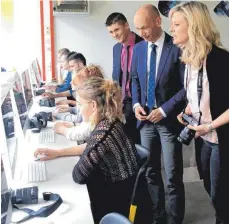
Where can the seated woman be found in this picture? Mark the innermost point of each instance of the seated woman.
(109, 163)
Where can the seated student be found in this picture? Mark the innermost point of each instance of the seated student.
(61, 55)
(91, 70)
(109, 163)
(62, 67)
(67, 82)
(76, 61)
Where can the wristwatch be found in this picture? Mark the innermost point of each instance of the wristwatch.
(210, 127)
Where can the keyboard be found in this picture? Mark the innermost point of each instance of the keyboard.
(35, 172)
(47, 136)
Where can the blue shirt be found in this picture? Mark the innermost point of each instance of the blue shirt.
(66, 85)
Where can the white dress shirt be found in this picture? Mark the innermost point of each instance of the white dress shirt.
(159, 43)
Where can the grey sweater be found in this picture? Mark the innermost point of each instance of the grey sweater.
(74, 116)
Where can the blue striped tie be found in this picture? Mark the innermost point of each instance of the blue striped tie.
(151, 80)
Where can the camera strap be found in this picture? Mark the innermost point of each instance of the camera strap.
(199, 89)
(44, 211)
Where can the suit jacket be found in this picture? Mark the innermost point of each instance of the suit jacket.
(169, 90)
(117, 50)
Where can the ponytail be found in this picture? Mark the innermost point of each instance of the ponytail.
(113, 100)
(107, 94)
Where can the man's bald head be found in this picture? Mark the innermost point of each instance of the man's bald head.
(149, 11)
(147, 21)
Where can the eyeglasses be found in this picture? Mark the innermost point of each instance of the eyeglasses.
(81, 104)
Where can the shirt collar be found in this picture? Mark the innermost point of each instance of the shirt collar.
(131, 40)
(159, 42)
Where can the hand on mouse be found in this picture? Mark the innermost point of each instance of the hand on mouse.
(62, 108)
(49, 153)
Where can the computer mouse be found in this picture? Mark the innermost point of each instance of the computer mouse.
(50, 124)
(40, 155)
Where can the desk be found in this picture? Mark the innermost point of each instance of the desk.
(75, 208)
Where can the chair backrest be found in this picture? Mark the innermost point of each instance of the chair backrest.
(144, 155)
(114, 218)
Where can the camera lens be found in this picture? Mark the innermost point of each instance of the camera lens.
(186, 136)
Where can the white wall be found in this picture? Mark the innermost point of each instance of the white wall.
(21, 40)
(88, 34)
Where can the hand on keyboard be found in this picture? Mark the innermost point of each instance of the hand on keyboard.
(60, 128)
(62, 109)
(49, 153)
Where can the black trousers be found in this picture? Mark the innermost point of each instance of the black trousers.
(131, 121)
(110, 197)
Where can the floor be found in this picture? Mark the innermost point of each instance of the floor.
(198, 206)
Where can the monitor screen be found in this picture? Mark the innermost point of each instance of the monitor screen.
(20, 101)
(8, 116)
(6, 207)
(8, 120)
(36, 71)
(27, 87)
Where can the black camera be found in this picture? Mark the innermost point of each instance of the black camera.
(47, 115)
(39, 91)
(47, 102)
(9, 127)
(37, 122)
(187, 134)
(27, 195)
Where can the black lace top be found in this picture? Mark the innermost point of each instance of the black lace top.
(110, 152)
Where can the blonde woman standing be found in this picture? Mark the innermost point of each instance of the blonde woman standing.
(207, 73)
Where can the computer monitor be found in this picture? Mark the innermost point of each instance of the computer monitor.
(27, 87)
(8, 116)
(8, 128)
(37, 72)
(6, 206)
(20, 102)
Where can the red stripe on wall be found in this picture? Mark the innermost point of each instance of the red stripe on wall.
(42, 40)
(52, 39)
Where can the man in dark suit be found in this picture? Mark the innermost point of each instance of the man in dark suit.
(119, 29)
(157, 83)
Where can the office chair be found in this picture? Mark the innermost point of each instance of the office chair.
(144, 154)
(114, 218)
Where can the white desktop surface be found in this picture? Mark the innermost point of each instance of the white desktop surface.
(75, 208)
